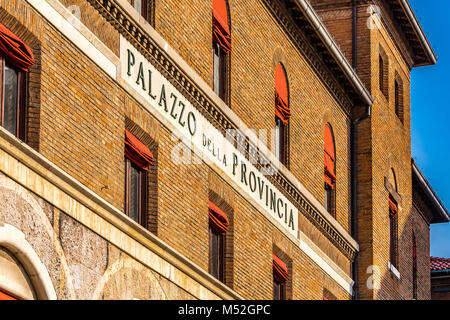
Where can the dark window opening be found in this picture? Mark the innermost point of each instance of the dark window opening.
(278, 290)
(144, 8)
(381, 66)
(13, 95)
(393, 231)
(220, 72)
(216, 255)
(328, 198)
(383, 75)
(135, 193)
(281, 140)
(399, 99)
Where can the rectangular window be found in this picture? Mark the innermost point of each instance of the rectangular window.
(216, 255)
(12, 92)
(280, 141)
(280, 278)
(381, 73)
(399, 99)
(143, 7)
(328, 198)
(135, 193)
(278, 291)
(393, 230)
(220, 83)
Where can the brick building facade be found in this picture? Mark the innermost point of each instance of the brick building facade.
(210, 150)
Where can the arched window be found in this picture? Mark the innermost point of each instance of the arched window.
(393, 223)
(329, 169)
(282, 115)
(221, 48)
(15, 283)
(23, 275)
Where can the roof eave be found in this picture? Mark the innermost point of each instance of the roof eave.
(335, 51)
(428, 50)
(440, 215)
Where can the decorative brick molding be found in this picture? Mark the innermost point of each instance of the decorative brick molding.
(391, 189)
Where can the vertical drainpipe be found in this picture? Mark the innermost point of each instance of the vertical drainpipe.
(354, 35)
(353, 160)
(354, 154)
(354, 191)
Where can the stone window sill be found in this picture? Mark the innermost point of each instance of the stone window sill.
(394, 270)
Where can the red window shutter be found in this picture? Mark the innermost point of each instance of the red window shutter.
(393, 209)
(15, 50)
(218, 219)
(280, 271)
(5, 296)
(329, 157)
(282, 110)
(221, 29)
(137, 152)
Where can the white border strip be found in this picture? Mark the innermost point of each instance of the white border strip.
(348, 286)
(94, 49)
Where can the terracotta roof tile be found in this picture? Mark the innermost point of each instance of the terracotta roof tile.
(440, 263)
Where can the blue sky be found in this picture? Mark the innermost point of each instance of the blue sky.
(430, 114)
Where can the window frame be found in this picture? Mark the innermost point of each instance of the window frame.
(329, 205)
(21, 98)
(398, 94)
(143, 192)
(220, 84)
(383, 70)
(279, 290)
(393, 240)
(281, 141)
(146, 9)
(219, 252)
(330, 191)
